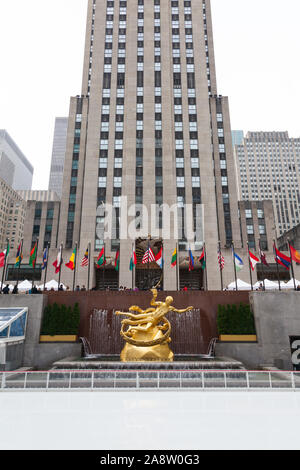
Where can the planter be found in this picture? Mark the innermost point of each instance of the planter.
(58, 339)
(238, 338)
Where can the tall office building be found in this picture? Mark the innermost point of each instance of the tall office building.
(15, 169)
(58, 155)
(149, 126)
(268, 167)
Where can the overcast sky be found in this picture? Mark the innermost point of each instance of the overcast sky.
(257, 45)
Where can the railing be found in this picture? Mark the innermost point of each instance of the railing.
(149, 380)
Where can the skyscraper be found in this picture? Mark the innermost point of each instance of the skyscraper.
(58, 155)
(268, 167)
(15, 169)
(150, 127)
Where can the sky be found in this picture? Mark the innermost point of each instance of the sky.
(257, 46)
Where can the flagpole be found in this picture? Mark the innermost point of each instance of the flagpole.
(36, 254)
(103, 271)
(61, 262)
(263, 269)
(233, 259)
(292, 266)
(75, 267)
(89, 266)
(19, 267)
(177, 268)
(5, 263)
(250, 267)
(133, 266)
(206, 283)
(221, 271)
(277, 264)
(46, 269)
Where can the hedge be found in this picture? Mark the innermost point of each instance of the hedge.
(235, 320)
(60, 320)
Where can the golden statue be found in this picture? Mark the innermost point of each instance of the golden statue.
(148, 332)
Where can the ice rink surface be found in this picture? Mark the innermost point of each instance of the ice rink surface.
(149, 420)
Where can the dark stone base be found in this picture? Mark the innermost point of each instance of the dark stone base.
(180, 364)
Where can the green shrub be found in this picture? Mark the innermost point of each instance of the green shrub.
(60, 320)
(235, 320)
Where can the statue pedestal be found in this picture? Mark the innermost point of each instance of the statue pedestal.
(158, 353)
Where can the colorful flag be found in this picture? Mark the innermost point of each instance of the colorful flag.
(282, 259)
(33, 255)
(263, 258)
(3, 256)
(202, 259)
(101, 261)
(45, 258)
(117, 261)
(238, 262)
(221, 260)
(148, 256)
(191, 261)
(159, 258)
(72, 262)
(295, 255)
(58, 262)
(85, 259)
(19, 256)
(174, 258)
(253, 260)
(133, 260)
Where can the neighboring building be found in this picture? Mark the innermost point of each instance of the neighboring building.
(257, 224)
(15, 169)
(237, 138)
(268, 167)
(12, 216)
(41, 222)
(293, 236)
(58, 155)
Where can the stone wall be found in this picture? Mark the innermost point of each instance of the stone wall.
(277, 317)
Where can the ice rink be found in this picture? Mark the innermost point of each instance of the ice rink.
(149, 420)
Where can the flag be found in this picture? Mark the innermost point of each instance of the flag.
(159, 258)
(282, 259)
(133, 260)
(191, 261)
(101, 261)
(263, 258)
(72, 262)
(45, 257)
(3, 256)
(58, 262)
(33, 255)
(148, 256)
(117, 261)
(253, 260)
(174, 258)
(85, 259)
(221, 261)
(238, 262)
(19, 256)
(295, 255)
(202, 259)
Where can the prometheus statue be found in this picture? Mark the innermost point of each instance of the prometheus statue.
(147, 332)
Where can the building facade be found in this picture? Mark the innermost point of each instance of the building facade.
(268, 167)
(15, 169)
(58, 155)
(12, 216)
(150, 127)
